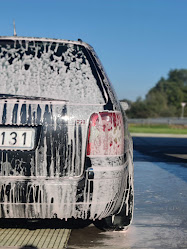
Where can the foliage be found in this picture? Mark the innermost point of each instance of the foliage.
(163, 100)
(159, 129)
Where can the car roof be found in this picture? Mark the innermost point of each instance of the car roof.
(21, 38)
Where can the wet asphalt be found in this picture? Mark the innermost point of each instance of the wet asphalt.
(160, 214)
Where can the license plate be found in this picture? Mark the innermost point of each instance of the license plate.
(17, 138)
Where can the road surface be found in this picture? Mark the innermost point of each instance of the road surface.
(160, 215)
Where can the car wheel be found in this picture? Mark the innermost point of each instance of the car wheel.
(120, 221)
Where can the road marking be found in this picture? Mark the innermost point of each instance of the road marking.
(19, 236)
(40, 238)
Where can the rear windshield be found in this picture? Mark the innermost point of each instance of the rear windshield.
(48, 69)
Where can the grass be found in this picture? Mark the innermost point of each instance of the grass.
(159, 129)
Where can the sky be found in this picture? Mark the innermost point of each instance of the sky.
(137, 41)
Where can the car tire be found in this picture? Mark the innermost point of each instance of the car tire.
(120, 221)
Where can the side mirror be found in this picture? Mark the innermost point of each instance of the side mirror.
(124, 105)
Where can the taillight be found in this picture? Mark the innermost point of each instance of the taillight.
(106, 134)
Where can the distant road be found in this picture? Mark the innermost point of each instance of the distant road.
(158, 135)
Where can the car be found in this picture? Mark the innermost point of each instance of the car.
(65, 149)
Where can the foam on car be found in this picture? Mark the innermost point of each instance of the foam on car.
(47, 69)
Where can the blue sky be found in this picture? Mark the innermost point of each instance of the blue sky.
(138, 41)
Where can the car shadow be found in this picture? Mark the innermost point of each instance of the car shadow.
(162, 151)
(33, 224)
(172, 150)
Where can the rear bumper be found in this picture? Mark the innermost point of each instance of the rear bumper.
(98, 195)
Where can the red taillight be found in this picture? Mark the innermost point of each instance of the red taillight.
(106, 134)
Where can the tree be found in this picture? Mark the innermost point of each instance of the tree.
(164, 99)
(138, 109)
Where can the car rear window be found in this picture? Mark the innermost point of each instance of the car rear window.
(49, 69)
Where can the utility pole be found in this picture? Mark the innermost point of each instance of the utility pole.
(183, 104)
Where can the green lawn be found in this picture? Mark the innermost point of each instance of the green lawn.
(159, 129)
